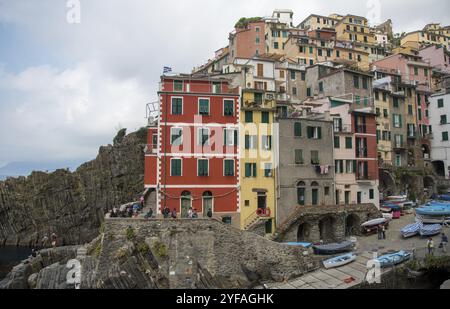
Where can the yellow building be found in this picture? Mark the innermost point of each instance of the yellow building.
(417, 39)
(276, 36)
(314, 22)
(354, 28)
(257, 160)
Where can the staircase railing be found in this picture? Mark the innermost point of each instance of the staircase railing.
(252, 217)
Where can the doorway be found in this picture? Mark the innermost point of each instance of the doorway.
(186, 203)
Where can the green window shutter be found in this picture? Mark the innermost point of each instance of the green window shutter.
(248, 116)
(254, 169)
(176, 167)
(204, 107)
(235, 137)
(354, 166)
(298, 156)
(247, 170)
(400, 120)
(229, 168)
(310, 132)
(337, 142)
(247, 142)
(348, 143)
(228, 108)
(319, 132)
(297, 129)
(225, 137)
(265, 117)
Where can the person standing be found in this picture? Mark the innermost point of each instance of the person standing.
(383, 232)
(379, 232)
(174, 213)
(430, 246)
(444, 242)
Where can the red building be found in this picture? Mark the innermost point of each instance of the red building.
(192, 157)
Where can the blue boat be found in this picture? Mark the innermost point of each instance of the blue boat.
(411, 230)
(393, 258)
(299, 244)
(430, 230)
(445, 197)
(339, 261)
(437, 210)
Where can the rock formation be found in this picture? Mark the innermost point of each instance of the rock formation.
(72, 205)
(180, 254)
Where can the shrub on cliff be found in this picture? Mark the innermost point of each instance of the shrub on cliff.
(119, 136)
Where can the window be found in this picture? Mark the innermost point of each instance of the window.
(357, 99)
(257, 40)
(419, 114)
(366, 101)
(319, 51)
(297, 129)
(356, 81)
(260, 70)
(365, 83)
(371, 194)
(228, 166)
(281, 74)
(176, 136)
(228, 108)
(348, 143)
(265, 117)
(314, 132)
(385, 113)
(294, 90)
(203, 107)
(308, 92)
(293, 75)
(155, 141)
(338, 54)
(266, 142)
(268, 170)
(397, 121)
(202, 167)
(384, 97)
(203, 137)
(416, 71)
(443, 119)
(337, 125)
(321, 87)
(311, 50)
(178, 85)
(251, 141)
(339, 166)
(175, 167)
(315, 157)
(217, 87)
(275, 45)
(230, 137)
(440, 103)
(350, 56)
(329, 53)
(303, 76)
(337, 142)
(250, 170)
(444, 136)
(395, 102)
(177, 106)
(410, 110)
(248, 117)
(298, 156)
(350, 166)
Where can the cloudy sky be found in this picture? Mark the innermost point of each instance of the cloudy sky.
(66, 88)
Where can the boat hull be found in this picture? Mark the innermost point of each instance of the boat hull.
(333, 248)
(339, 261)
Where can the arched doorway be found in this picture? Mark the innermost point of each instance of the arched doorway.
(303, 232)
(207, 202)
(352, 225)
(326, 229)
(439, 168)
(186, 203)
(314, 193)
(301, 193)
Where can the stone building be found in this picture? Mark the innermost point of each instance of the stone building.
(306, 167)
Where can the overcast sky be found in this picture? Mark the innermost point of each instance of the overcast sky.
(66, 88)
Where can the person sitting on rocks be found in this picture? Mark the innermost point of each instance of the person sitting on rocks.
(166, 212)
(190, 213)
(194, 214)
(149, 214)
(174, 213)
(54, 240)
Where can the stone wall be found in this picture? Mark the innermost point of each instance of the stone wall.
(72, 205)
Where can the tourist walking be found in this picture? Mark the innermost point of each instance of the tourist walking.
(430, 246)
(444, 242)
(174, 213)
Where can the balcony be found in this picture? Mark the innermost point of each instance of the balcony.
(282, 97)
(344, 129)
(365, 177)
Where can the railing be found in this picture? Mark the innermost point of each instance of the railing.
(347, 128)
(253, 218)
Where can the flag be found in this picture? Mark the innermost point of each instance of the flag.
(167, 70)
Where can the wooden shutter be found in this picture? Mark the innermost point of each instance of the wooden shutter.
(260, 70)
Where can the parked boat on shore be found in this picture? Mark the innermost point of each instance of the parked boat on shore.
(374, 222)
(394, 258)
(339, 261)
(335, 248)
(430, 230)
(299, 244)
(411, 230)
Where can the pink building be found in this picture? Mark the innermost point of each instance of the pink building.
(437, 56)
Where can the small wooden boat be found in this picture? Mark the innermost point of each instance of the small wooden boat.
(430, 230)
(335, 248)
(411, 230)
(299, 244)
(339, 261)
(374, 222)
(393, 258)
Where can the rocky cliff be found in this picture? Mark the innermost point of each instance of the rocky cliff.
(72, 205)
(177, 254)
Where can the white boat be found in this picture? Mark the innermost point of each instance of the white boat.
(339, 261)
(374, 222)
(388, 216)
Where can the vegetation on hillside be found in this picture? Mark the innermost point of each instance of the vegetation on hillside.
(244, 21)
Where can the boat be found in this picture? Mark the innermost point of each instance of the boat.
(388, 215)
(339, 261)
(374, 222)
(445, 197)
(435, 211)
(433, 220)
(392, 259)
(299, 244)
(411, 230)
(333, 248)
(430, 230)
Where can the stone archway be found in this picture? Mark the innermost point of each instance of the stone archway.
(303, 232)
(387, 183)
(352, 225)
(439, 168)
(327, 228)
